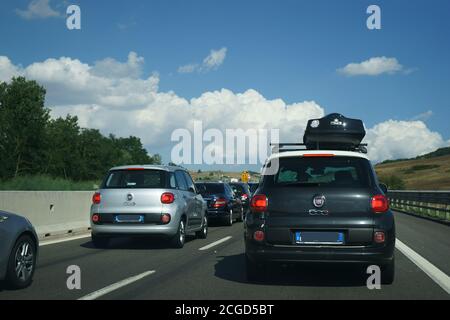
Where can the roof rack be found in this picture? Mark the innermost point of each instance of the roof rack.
(283, 147)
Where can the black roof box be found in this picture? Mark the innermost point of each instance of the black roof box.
(334, 132)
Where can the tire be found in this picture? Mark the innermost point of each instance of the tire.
(241, 216)
(23, 253)
(229, 219)
(203, 233)
(100, 242)
(180, 237)
(388, 273)
(255, 272)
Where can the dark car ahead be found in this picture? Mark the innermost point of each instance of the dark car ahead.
(321, 202)
(242, 190)
(320, 206)
(222, 203)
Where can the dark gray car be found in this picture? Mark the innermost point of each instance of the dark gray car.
(18, 250)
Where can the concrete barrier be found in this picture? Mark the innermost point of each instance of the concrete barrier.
(51, 212)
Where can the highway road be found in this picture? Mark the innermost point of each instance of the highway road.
(204, 270)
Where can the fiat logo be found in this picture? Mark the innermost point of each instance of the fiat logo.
(319, 201)
(129, 196)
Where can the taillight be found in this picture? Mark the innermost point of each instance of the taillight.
(96, 198)
(244, 197)
(379, 237)
(95, 218)
(380, 203)
(167, 198)
(258, 236)
(165, 218)
(219, 203)
(259, 203)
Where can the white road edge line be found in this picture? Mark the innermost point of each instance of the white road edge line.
(99, 293)
(49, 242)
(433, 272)
(215, 243)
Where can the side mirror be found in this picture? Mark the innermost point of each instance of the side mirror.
(191, 189)
(384, 188)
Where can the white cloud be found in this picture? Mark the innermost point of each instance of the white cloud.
(7, 69)
(113, 68)
(423, 116)
(38, 9)
(189, 68)
(372, 67)
(212, 62)
(394, 139)
(215, 59)
(119, 102)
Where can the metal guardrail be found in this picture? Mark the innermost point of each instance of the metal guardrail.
(432, 204)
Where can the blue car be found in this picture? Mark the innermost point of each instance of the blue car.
(222, 202)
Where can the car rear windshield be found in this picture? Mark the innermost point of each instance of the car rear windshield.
(210, 188)
(327, 171)
(135, 179)
(239, 187)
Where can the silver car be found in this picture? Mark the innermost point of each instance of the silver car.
(147, 200)
(18, 250)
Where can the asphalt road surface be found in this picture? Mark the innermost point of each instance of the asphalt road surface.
(203, 269)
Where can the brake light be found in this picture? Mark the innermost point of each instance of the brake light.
(244, 197)
(318, 155)
(167, 198)
(96, 198)
(259, 203)
(380, 203)
(219, 203)
(135, 169)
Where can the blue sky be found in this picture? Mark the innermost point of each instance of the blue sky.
(282, 49)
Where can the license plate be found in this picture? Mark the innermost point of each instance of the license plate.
(319, 237)
(129, 218)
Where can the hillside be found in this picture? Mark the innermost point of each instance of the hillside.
(428, 172)
(221, 175)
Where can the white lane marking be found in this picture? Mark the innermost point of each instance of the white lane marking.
(48, 242)
(433, 272)
(97, 294)
(215, 243)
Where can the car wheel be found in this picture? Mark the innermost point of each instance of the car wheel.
(22, 263)
(203, 233)
(229, 218)
(241, 215)
(388, 273)
(255, 272)
(180, 237)
(99, 241)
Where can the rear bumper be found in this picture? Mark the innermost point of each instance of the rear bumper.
(134, 230)
(323, 254)
(218, 213)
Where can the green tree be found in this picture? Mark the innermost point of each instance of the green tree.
(23, 120)
(63, 139)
